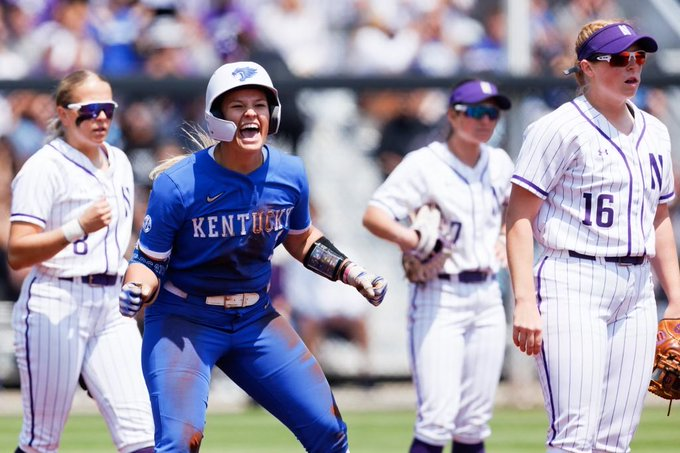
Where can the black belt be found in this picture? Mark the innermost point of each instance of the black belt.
(467, 276)
(94, 279)
(634, 260)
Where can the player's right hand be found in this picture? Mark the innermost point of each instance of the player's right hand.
(130, 299)
(527, 332)
(96, 216)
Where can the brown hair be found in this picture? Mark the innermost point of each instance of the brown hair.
(63, 96)
(586, 32)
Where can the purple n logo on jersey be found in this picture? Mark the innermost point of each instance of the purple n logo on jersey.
(656, 169)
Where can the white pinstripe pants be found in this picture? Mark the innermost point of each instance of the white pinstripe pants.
(457, 343)
(599, 326)
(62, 330)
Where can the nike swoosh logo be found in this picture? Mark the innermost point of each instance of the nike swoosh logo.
(210, 199)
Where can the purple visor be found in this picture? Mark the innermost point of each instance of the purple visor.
(613, 39)
(476, 91)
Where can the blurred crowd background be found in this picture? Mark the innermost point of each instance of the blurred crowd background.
(362, 82)
(161, 38)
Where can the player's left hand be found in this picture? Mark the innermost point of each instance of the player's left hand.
(666, 371)
(130, 299)
(372, 287)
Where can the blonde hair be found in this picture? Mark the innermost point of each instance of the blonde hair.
(586, 32)
(197, 136)
(63, 96)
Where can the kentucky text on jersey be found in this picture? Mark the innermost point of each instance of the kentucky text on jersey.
(257, 222)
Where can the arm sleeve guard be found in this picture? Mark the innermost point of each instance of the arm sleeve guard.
(157, 267)
(325, 259)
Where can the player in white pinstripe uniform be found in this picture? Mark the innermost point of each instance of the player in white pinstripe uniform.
(71, 220)
(591, 186)
(456, 320)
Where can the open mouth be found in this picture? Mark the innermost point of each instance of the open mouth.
(249, 130)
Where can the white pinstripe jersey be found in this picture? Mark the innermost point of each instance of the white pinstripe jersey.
(601, 187)
(471, 199)
(56, 185)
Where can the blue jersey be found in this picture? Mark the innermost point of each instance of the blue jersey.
(219, 227)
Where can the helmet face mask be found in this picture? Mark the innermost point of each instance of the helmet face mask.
(233, 76)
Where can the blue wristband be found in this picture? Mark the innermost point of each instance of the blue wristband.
(157, 267)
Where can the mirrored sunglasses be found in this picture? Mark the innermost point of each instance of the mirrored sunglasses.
(478, 111)
(623, 59)
(91, 110)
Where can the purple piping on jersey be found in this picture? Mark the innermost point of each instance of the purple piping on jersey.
(539, 299)
(115, 235)
(28, 365)
(454, 170)
(642, 133)
(74, 162)
(412, 304)
(665, 197)
(115, 231)
(484, 172)
(106, 257)
(106, 249)
(467, 183)
(460, 175)
(630, 173)
(28, 215)
(499, 198)
(126, 198)
(644, 184)
(531, 184)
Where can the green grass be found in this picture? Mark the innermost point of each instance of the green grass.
(255, 431)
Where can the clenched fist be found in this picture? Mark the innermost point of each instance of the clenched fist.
(372, 287)
(96, 216)
(131, 298)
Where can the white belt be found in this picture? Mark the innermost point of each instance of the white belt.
(227, 301)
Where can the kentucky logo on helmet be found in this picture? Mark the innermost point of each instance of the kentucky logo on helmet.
(244, 73)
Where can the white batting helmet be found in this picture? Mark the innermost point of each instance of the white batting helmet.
(229, 77)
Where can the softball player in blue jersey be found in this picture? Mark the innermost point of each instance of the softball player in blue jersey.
(213, 221)
(591, 186)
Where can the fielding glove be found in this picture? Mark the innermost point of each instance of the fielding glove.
(665, 381)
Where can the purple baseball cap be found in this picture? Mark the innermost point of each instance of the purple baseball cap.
(476, 91)
(613, 39)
